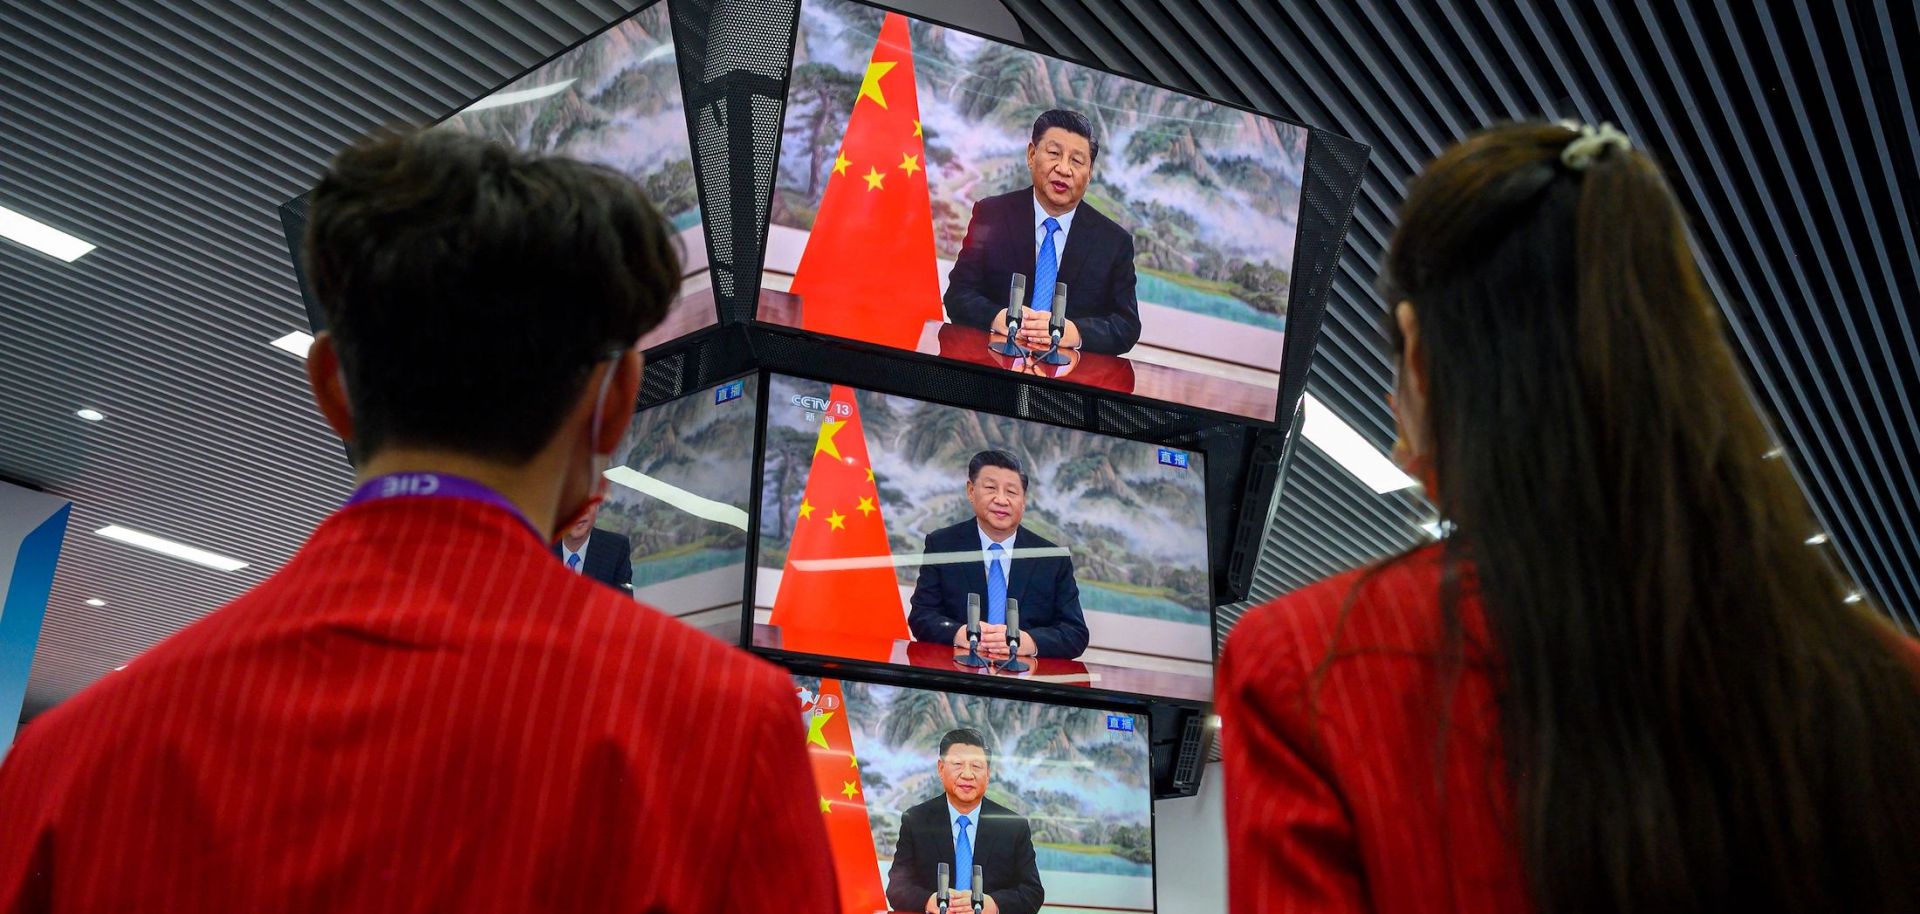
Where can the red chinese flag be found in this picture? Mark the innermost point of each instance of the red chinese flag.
(868, 271)
(843, 802)
(838, 589)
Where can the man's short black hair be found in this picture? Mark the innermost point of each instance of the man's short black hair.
(471, 288)
(993, 458)
(1071, 122)
(964, 736)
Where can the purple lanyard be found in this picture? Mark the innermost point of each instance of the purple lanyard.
(436, 485)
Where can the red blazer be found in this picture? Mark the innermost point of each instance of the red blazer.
(1333, 794)
(422, 711)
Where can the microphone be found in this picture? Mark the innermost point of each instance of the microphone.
(979, 893)
(1057, 324)
(1013, 664)
(973, 633)
(941, 896)
(1016, 311)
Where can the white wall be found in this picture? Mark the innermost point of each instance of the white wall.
(1190, 850)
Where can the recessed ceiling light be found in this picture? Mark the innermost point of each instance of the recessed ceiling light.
(169, 547)
(1816, 539)
(91, 415)
(1434, 529)
(297, 342)
(1774, 454)
(96, 601)
(41, 237)
(1854, 597)
(119, 668)
(1338, 440)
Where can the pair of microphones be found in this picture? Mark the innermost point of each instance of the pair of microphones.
(942, 896)
(1016, 312)
(1013, 663)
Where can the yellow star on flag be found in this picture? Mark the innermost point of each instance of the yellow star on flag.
(916, 128)
(869, 474)
(873, 177)
(910, 164)
(828, 429)
(870, 84)
(866, 506)
(850, 790)
(816, 728)
(852, 761)
(825, 806)
(837, 521)
(806, 510)
(840, 163)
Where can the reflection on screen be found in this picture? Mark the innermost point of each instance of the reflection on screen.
(676, 507)
(1062, 795)
(922, 169)
(615, 100)
(880, 516)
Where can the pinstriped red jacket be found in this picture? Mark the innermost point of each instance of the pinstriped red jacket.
(1338, 796)
(423, 711)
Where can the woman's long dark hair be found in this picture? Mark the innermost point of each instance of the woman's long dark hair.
(1693, 719)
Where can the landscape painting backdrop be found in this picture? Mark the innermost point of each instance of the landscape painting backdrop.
(615, 101)
(1083, 787)
(1136, 528)
(1210, 193)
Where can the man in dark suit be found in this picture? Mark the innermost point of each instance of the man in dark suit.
(961, 827)
(1046, 233)
(602, 555)
(990, 554)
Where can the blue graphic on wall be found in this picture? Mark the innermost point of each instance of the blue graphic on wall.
(32, 527)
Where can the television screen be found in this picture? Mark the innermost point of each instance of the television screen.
(924, 170)
(883, 519)
(615, 100)
(673, 526)
(1057, 799)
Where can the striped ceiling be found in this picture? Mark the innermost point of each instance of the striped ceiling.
(167, 133)
(1788, 129)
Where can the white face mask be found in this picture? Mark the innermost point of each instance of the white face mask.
(597, 462)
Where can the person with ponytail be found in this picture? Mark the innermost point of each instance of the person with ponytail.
(1622, 682)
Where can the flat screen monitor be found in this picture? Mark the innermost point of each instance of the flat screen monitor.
(880, 517)
(922, 168)
(615, 100)
(673, 526)
(1058, 799)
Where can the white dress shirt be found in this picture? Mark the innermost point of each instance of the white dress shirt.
(565, 552)
(1059, 238)
(973, 827)
(1006, 554)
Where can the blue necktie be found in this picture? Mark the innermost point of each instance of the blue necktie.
(1046, 269)
(996, 587)
(962, 859)
(573, 563)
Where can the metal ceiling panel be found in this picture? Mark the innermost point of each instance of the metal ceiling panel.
(1789, 132)
(167, 133)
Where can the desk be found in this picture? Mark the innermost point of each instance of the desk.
(1115, 373)
(691, 311)
(928, 655)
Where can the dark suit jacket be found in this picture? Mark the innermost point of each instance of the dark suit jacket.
(607, 559)
(1097, 268)
(1049, 598)
(1003, 848)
